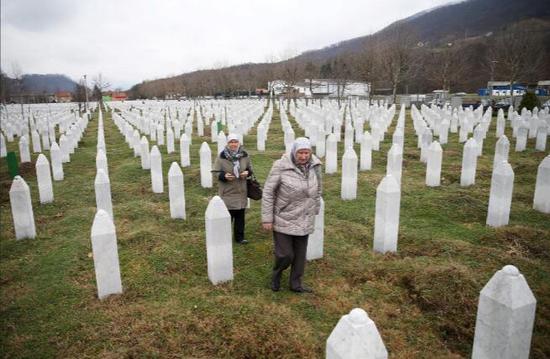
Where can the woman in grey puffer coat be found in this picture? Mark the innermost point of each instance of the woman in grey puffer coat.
(290, 201)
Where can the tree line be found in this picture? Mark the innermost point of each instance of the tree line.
(395, 61)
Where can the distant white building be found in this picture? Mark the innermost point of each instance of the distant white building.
(322, 87)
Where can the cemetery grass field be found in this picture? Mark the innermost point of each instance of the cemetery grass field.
(423, 299)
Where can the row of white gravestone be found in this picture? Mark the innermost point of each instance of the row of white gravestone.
(503, 330)
(20, 195)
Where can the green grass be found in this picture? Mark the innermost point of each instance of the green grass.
(423, 298)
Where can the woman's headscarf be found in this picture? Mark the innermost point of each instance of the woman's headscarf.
(301, 143)
(234, 156)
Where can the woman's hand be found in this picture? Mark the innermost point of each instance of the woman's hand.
(244, 174)
(229, 177)
(267, 226)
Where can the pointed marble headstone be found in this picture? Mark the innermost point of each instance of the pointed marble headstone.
(500, 197)
(348, 189)
(541, 201)
(24, 151)
(331, 154)
(3, 148)
(386, 221)
(469, 163)
(157, 180)
(219, 246)
(185, 159)
(206, 165)
(395, 162)
(433, 165)
(44, 179)
(101, 162)
(316, 239)
(365, 163)
(542, 136)
(169, 140)
(57, 162)
(46, 141)
(102, 186)
(21, 209)
(501, 150)
(505, 317)
(145, 153)
(36, 146)
(176, 192)
(521, 139)
(105, 253)
(355, 337)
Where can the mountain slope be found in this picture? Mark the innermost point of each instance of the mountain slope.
(37, 83)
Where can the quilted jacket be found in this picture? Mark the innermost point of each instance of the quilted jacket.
(291, 199)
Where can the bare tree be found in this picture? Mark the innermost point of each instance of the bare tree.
(445, 66)
(342, 74)
(100, 85)
(396, 55)
(290, 74)
(518, 52)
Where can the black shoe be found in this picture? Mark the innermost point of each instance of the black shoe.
(302, 290)
(244, 241)
(275, 286)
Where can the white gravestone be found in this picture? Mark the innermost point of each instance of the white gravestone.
(316, 239)
(521, 139)
(469, 163)
(105, 253)
(505, 317)
(355, 337)
(102, 186)
(541, 201)
(500, 197)
(349, 175)
(169, 140)
(219, 246)
(185, 159)
(176, 192)
(542, 135)
(36, 147)
(433, 166)
(145, 153)
(206, 165)
(157, 181)
(502, 148)
(386, 220)
(101, 162)
(395, 162)
(24, 151)
(21, 209)
(331, 154)
(366, 152)
(57, 162)
(44, 179)
(3, 148)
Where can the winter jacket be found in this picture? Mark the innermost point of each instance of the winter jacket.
(291, 199)
(234, 192)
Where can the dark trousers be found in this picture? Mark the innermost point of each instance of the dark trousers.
(237, 217)
(290, 251)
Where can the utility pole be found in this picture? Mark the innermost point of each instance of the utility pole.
(86, 92)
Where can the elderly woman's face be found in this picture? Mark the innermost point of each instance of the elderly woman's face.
(233, 145)
(302, 156)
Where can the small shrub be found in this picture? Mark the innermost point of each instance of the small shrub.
(529, 101)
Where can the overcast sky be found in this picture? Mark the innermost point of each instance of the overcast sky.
(129, 41)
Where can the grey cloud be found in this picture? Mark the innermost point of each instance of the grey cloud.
(37, 15)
